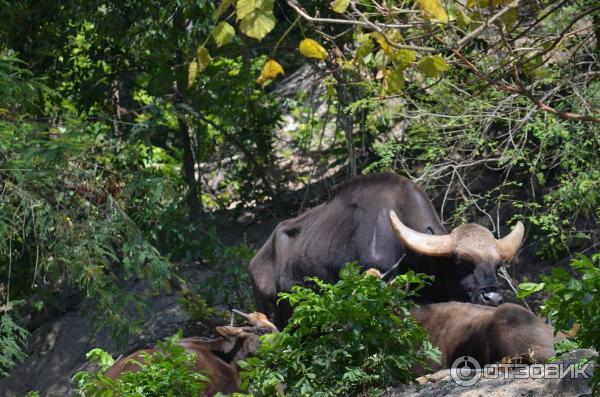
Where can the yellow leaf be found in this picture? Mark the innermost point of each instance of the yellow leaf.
(256, 17)
(404, 58)
(364, 47)
(380, 39)
(433, 65)
(192, 73)
(223, 34)
(433, 10)
(509, 19)
(462, 19)
(203, 58)
(311, 49)
(393, 80)
(477, 3)
(244, 8)
(258, 24)
(271, 70)
(340, 6)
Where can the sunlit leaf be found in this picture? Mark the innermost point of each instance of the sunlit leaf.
(311, 49)
(477, 3)
(404, 58)
(393, 80)
(365, 46)
(509, 18)
(433, 10)
(340, 6)
(243, 8)
(528, 288)
(433, 65)
(192, 73)
(223, 34)
(462, 19)
(258, 24)
(203, 58)
(270, 71)
(381, 40)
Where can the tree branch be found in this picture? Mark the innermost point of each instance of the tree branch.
(525, 92)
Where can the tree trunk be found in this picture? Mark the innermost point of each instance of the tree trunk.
(189, 171)
(346, 121)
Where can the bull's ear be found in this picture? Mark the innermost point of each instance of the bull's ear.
(228, 332)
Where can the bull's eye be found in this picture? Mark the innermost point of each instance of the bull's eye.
(498, 266)
(465, 266)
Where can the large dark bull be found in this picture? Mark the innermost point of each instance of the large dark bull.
(374, 220)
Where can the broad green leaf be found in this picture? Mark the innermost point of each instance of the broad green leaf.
(365, 46)
(244, 8)
(192, 73)
(462, 19)
(223, 34)
(477, 3)
(340, 6)
(381, 40)
(258, 24)
(203, 58)
(433, 65)
(224, 6)
(528, 288)
(404, 58)
(433, 10)
(271, 70)
(393, 80)
(311, 49)
(509, 18)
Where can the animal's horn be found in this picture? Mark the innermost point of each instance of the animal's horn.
(246, 316)
(509, 245)
(422, 243)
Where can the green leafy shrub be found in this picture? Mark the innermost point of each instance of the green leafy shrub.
(168, 372)
(574, 303)
(355, 335)
(12, 341)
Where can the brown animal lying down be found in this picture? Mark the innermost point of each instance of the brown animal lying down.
(488, 334)
(217, 356)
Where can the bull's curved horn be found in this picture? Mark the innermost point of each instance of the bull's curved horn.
(246, 316)
(509, 245)
(422, 243)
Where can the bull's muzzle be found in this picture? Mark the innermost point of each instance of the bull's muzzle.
(490, 298)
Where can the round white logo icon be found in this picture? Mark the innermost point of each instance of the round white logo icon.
(465, 371)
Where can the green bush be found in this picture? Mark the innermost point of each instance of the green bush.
(574, 304)
(13, 338)
(168, 372)
(355, 335)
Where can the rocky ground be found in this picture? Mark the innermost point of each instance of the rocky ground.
(505, 386)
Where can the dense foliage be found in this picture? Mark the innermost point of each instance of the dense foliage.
(574, 304)
(129, 129)
(355, 335)
(170, 371)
